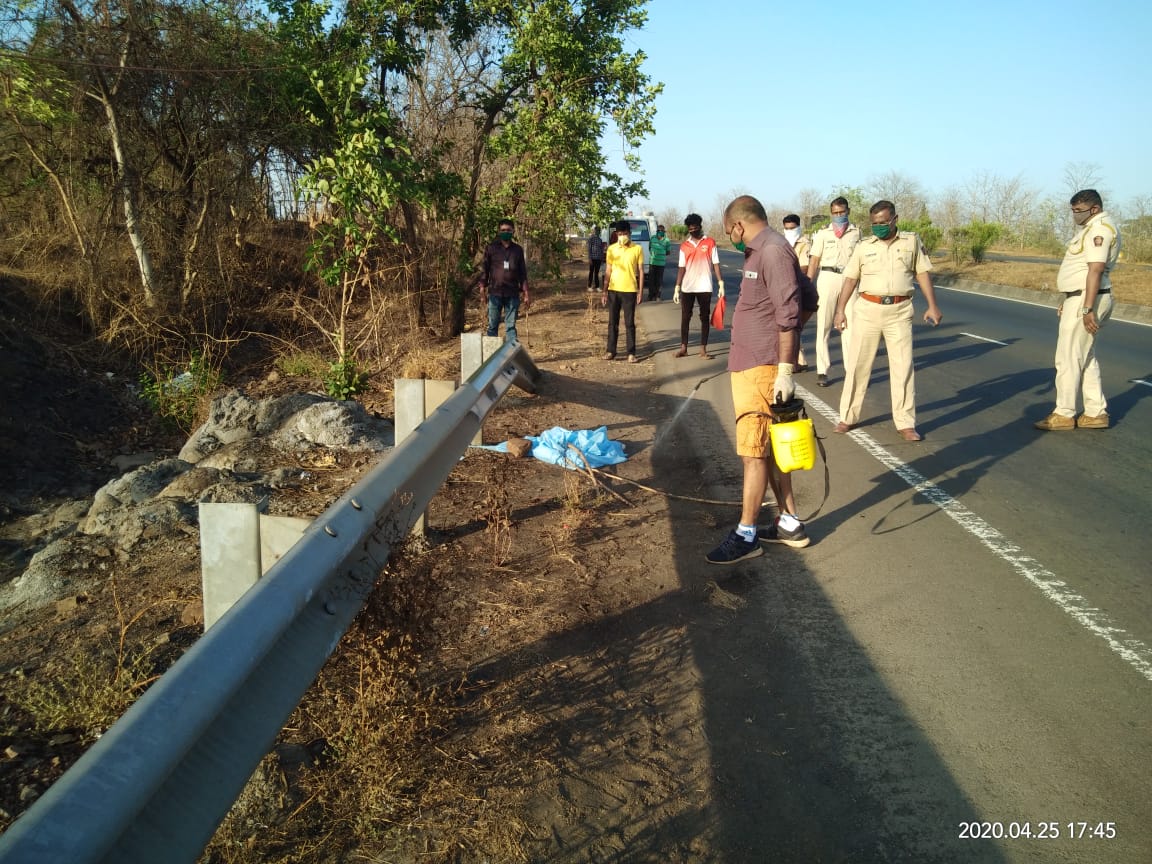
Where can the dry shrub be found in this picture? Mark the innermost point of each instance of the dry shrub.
(375, 771)
(433, 361)
(497, 512)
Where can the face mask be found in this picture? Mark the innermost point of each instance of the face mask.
(1081, 218)
(694, 231)
(505, 236)
(660, 234)
(883, 232)
(623, 239)
(840, 220)
(792, 235)
(739, 245)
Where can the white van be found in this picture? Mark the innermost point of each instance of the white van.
(641, 235)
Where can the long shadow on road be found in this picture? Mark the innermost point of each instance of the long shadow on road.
(732, 717)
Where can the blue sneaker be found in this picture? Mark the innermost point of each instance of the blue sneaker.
(734, 549)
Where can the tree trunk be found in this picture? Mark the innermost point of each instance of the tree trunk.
(125, 175)
(127, 183)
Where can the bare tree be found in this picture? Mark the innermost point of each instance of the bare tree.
(903, 191)
(1082, 175)
(949, 210)
(809, 203)
(104, 88)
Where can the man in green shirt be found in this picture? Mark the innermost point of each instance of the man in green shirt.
(659, 247)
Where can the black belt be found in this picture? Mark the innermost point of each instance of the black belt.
(833, 269)
(1081, 291)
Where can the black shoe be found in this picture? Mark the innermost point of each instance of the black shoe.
(797, 538)
(803, 367)
(734, 549)
(821, 380)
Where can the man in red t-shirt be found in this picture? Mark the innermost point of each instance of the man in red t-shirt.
(698, 261)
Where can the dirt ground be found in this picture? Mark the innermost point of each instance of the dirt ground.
(547, 662)
(539, 666)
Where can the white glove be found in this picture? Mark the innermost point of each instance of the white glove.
(783, 390)
(676, 294)
(721, 290)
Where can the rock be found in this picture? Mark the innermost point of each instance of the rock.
(133, 488)
(69, 513)
(192, 615)
(293, 422)
(519, 447)
(127, 526)
(191, 484)
(344, 425)
(128, 461)
(223, 461)
(241, 457)
(50, 575)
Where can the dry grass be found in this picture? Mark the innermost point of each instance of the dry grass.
(368, 768)
(1131, 283)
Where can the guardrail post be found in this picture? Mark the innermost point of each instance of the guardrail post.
(229, 555)
(415, 399)
(157, 784)
(475, 349)
(237, 546)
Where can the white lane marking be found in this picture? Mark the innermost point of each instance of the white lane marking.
(1140, 381)
(1131, 650)
(1051, 305)
(984, 339)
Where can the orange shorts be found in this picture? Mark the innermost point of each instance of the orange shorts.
(752, 392)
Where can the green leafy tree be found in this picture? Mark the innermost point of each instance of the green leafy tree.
(553, 76)
(368, 171)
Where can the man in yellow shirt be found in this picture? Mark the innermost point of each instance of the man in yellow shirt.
(624, 276)
(1084, 281)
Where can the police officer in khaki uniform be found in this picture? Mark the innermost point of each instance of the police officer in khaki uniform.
(801, 245)
(886, 266)
(831, 248)
(1087, 288)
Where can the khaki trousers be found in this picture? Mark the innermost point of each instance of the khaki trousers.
(871, 323)
(828, 287)
(1077, 371)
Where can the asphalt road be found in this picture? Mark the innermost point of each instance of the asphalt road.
(969, 636)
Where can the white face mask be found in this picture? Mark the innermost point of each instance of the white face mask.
(792, 235)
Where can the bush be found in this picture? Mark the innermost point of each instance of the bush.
(928, 233)
(175, 396)
(974, 239)
(344, 379)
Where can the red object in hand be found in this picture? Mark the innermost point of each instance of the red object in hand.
(718, 314)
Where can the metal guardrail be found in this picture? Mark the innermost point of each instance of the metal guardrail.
(159, 782)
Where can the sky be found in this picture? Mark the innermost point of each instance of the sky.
(773, 98)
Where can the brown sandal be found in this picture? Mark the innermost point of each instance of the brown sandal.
(683, 352)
